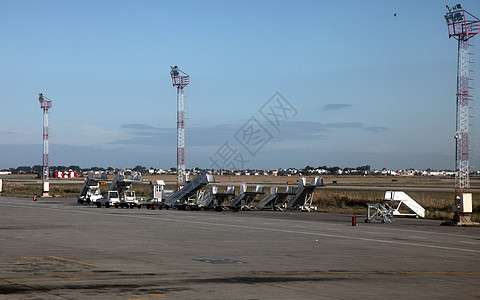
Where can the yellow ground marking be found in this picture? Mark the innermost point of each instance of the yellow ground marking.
(137, 299)
(74, 261)
(66, 277)
(367, 272)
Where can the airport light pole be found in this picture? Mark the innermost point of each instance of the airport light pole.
(462, 26)
(45, 104)
(180, 80)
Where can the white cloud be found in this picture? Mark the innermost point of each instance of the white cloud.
(88, 135)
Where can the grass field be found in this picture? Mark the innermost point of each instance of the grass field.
(337, 198)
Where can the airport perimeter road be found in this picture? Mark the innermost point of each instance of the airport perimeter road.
(56, 249)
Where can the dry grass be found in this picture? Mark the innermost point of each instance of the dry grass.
(21, 190)
(28, 190)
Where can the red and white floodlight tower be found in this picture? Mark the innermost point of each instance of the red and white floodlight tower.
(462, 26)
(180, 80)
(45, 104)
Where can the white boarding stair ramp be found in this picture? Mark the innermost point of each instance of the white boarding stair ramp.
(206, 200)
(247, 198)
(121, 184)
(269, 199)
(91, 183)
(405, 202)
(189, 189)
(240, 196)
(303, 197)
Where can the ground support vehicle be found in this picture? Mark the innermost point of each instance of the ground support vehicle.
(90, 191)
(303, 197)
(276, 199)
(128, 200)
(404, 205)
(157, 195)
(181, 199)
(214, 200)
(152, 203)
(90, 197)
(110, 198)
(244, 200)
(122, 185)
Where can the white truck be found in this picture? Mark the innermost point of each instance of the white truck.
(90, 197)
(122, 185)
(110, 198)
(128, 199)
(90, 191)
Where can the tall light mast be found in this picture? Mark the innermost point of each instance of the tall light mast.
(45, 104)
(462, 26)
(180, 80)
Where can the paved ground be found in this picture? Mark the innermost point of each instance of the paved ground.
(56, 249)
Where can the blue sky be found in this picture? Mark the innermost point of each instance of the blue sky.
(366, 87)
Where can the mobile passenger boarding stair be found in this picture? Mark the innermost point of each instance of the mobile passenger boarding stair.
(303, 197)
(272, 200)
(396, 203)
(180, 197)
(214, 199)
(244, 199)
(90, 191)
(401, 201)
(123, 184)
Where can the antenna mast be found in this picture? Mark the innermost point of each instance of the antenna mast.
(462, 26)
(45, 104)
(180, 80)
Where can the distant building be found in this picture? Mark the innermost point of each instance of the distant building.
(66, 174)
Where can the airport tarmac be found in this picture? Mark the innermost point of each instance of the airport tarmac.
(57, 249)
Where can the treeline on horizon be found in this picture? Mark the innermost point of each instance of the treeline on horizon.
(366, 169)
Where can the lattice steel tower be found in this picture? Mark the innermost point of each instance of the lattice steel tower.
(462, 26)
(180, 80)
(45, 104)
